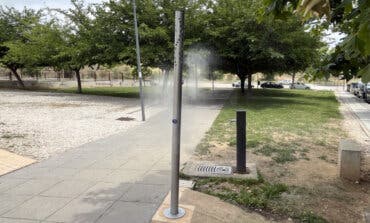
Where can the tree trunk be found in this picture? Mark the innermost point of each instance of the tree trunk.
(19, 79)
(110, 78)
(249, 84)
(213, 81)
(293, 78)
(78, 77)
(242, 84)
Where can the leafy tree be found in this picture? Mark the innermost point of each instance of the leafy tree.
(301, 47)
(347, 16)
(75, 52)
(16, 51)
(248, 44)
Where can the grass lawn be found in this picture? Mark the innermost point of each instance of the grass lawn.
(125, 92)
(292, 136)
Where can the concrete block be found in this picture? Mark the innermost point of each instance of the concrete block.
(160, 218)
(349, 160)
(367, 215)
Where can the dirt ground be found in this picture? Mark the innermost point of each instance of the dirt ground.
(313, 181)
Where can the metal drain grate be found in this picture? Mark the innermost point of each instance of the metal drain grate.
(214, 169)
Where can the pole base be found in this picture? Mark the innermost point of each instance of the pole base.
(180, 214)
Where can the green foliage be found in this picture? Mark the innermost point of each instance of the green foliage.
(251, 193)
(351, 58)
(246, 41)
(16, 38)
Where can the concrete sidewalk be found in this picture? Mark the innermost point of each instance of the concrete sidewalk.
(122, 178)
(359, 108)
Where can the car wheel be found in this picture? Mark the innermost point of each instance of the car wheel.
(307, 88)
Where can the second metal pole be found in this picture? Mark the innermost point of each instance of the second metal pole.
(139, 63)
(174, 211)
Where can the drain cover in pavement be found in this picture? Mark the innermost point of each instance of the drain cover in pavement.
(215, 169)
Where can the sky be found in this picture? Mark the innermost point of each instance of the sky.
(38, 4)
(331, 38)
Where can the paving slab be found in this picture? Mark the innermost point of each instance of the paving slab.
(146, 193)
(37, 208)
(132, 212)
(10, 201)
(107, 191)
(6, 183)
(11, 220)
(32, 187)
(68, 188)
(81, 210)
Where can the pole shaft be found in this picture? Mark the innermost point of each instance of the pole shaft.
(176, 120)
(138, 58)
(241, 141)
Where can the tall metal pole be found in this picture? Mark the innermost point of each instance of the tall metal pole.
(139, 63)
(174, 211)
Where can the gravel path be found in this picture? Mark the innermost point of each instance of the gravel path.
(40, 124)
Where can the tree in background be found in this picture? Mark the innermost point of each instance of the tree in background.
(347, 16)
(301, 47)
(16, 48)
(247, 43)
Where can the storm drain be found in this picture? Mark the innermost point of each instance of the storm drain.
(207, 169)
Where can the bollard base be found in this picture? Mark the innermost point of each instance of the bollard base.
(180, 214)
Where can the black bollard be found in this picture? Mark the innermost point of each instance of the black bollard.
(241, 141)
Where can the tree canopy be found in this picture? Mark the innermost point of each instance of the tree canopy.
(103, 34)
(351, 57)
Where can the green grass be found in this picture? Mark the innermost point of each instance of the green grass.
(280, 123)
(126, 92)
(245, 192)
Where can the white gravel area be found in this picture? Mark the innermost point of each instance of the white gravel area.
(40, 124)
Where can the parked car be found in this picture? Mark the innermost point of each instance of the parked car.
(352, 87)
(271, 85)
(299, 85)
(357, 88)
(361, 91)
(238, 83)
(367, 92)
(285, 82)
